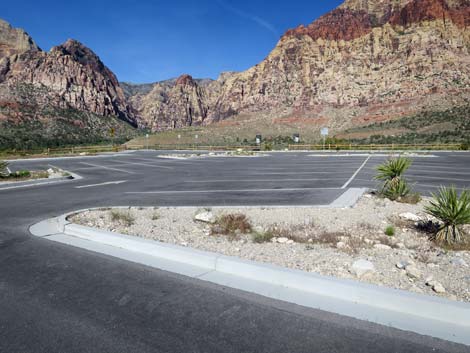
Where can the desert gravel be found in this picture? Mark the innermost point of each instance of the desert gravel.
(407, 260)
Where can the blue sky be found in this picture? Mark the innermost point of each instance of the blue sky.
(147, 41)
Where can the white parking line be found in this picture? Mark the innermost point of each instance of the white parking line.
(101, 184)
(297, 173)
(108, 168)
(224, 191)
(123, 163)
(443, 178)
(354, 175)
(255, 180)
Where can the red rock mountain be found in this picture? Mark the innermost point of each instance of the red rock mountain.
(368, 60)
(71, 72)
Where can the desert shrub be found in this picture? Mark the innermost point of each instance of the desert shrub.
(125, 218)
(397, 191)
(155, 216)
(464, 146)
(412, 198)
(262, 237)
(390, 231)
(21, 174)
(452, 211)
(395, 187)
(391, 171)
(232, 224)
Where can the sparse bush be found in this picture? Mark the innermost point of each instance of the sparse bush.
(125, 218)
(397, 191)
(412, 198)
(453, 211)
(395, 187)
(232, 225)
(464, 146)
(262, 237)
(21, 174)
(390, 231)
(391, 171)
(155, 217)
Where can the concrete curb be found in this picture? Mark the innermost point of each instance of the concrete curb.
(422, 314)
(38, 182)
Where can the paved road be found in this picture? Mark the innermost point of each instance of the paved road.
(55, 298)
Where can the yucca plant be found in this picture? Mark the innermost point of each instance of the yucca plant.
(453, 211)
(392, 170)
(397, 190)
(4, 169)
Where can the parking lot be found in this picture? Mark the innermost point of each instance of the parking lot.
(106, 304)
(295, 179)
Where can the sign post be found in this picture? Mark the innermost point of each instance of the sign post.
(324, 133)
(296, 138)
(112, 132)
(147, 140)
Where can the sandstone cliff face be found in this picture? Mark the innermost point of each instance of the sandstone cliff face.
(70, 71)
(378, 54)
(14, 40)
(366, 60)
(174, 103)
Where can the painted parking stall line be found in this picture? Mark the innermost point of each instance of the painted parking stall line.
(101, 184)
(108, 168)
(356, 173)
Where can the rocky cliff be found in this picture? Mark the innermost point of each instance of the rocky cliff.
(367, 60)
(71, 72)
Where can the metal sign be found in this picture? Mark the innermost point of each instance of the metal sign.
(296, 138)
(324, 131)
(258, 139)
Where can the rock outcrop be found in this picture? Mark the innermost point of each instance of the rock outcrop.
(70, 71)
(367, 60)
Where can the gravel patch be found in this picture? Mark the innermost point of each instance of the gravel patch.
(347, 243)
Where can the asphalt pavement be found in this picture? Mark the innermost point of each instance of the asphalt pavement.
(55, 298)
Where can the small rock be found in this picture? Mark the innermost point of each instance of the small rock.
(412, 271)
(341, 245)
(258, 229)
(310, 240)
(410, 217)
(438, 288)
(382, 247)
(402, 264)
(458, 262)
(368, 241)
(184, 243)
(290, 241)
(206, 217)
(401, 246)
(273, 240)
(361, 267)
(282, 240)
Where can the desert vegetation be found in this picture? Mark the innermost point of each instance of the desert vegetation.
(453, 211)
(395, 187)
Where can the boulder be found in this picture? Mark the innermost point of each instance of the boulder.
(413, 272)
(362, 267)
(205, 216)
(382, 247)
(410, 217)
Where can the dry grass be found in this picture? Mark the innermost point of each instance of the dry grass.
(126, 218)
(232, 225)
